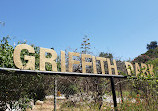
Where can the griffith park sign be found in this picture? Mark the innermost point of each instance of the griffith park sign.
(146, 68)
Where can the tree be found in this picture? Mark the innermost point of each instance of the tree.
(142, 58)
(85, 45)
(106, 55)
(152, 45)
(21, 87)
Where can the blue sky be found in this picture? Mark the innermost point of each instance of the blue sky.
(122, 27)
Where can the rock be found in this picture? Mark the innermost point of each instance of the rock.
(49, 97)
(38, 102)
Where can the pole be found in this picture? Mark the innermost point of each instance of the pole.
(55, 92)
(113, 93)
(121, 91)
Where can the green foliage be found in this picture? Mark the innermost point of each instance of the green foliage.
(155, 64)
(139, 105)
(16, 88)
(142, 58)
(142, 93)
(152, 45)
(70, 86)
(6, 53)
(106, 55)
(145, 84)
(152, 53)
(85, 45)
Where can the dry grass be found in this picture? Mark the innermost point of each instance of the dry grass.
(48, 105)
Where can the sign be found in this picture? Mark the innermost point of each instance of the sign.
(148, 69)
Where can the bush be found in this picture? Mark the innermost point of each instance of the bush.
(14, 87)
(141, 59)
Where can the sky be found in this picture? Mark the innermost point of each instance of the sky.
(121, 27)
